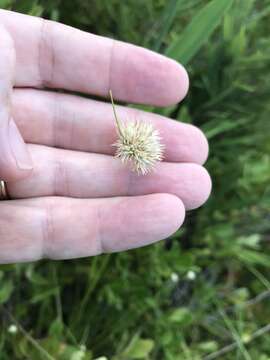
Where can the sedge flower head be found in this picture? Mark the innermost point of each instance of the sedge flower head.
(139, 143)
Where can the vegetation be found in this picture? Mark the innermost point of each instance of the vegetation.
(204, 293)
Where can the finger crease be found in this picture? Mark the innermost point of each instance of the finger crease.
(61, 181)
(110, 85)
(48, 230)
(46, 55)
(99, 232)
(129, 182)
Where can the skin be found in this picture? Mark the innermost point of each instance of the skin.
(71, 197)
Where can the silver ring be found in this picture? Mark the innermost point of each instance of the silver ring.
(3, 191)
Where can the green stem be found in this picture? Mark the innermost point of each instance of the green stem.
(28, 337)
(118, 123)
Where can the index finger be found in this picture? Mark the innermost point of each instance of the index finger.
(54, 55)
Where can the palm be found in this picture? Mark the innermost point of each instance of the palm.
(79, 200)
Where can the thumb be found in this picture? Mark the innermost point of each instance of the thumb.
(15, 161)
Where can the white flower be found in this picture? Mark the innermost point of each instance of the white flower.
(174, 277)
(138, 143)
(12, 329)
(191, 275)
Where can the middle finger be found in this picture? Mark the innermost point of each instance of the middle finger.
(75, 123)
(60, 172)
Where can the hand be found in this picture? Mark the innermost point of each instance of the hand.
(15, 161)
(79, 200)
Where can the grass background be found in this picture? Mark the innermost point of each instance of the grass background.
(204, 293)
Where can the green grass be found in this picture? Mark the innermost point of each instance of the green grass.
(129, 306)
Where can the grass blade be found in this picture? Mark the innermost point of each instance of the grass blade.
(169, 15)
(198, 31)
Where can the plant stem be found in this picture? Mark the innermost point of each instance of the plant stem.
(234, 345)
(34, 342)
(118, 123)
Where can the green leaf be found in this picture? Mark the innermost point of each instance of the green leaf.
(5, 4)
(198, 31)
(41, 296)
(228, 26)
(56, 328)
(253, 257)
(239, 43)
(180, 316)
(250, 241)
(139, 348)
(208, 346)
(5, 291)
(170, 12)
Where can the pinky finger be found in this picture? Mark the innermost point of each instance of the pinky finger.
(65, 228)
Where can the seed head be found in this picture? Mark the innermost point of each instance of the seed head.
(138, 143)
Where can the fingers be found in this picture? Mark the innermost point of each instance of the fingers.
(73, 122)
(97, 64)
(62, 228)
(73, 174)
(15, 161)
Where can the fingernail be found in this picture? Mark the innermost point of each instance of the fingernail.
(19, 149)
